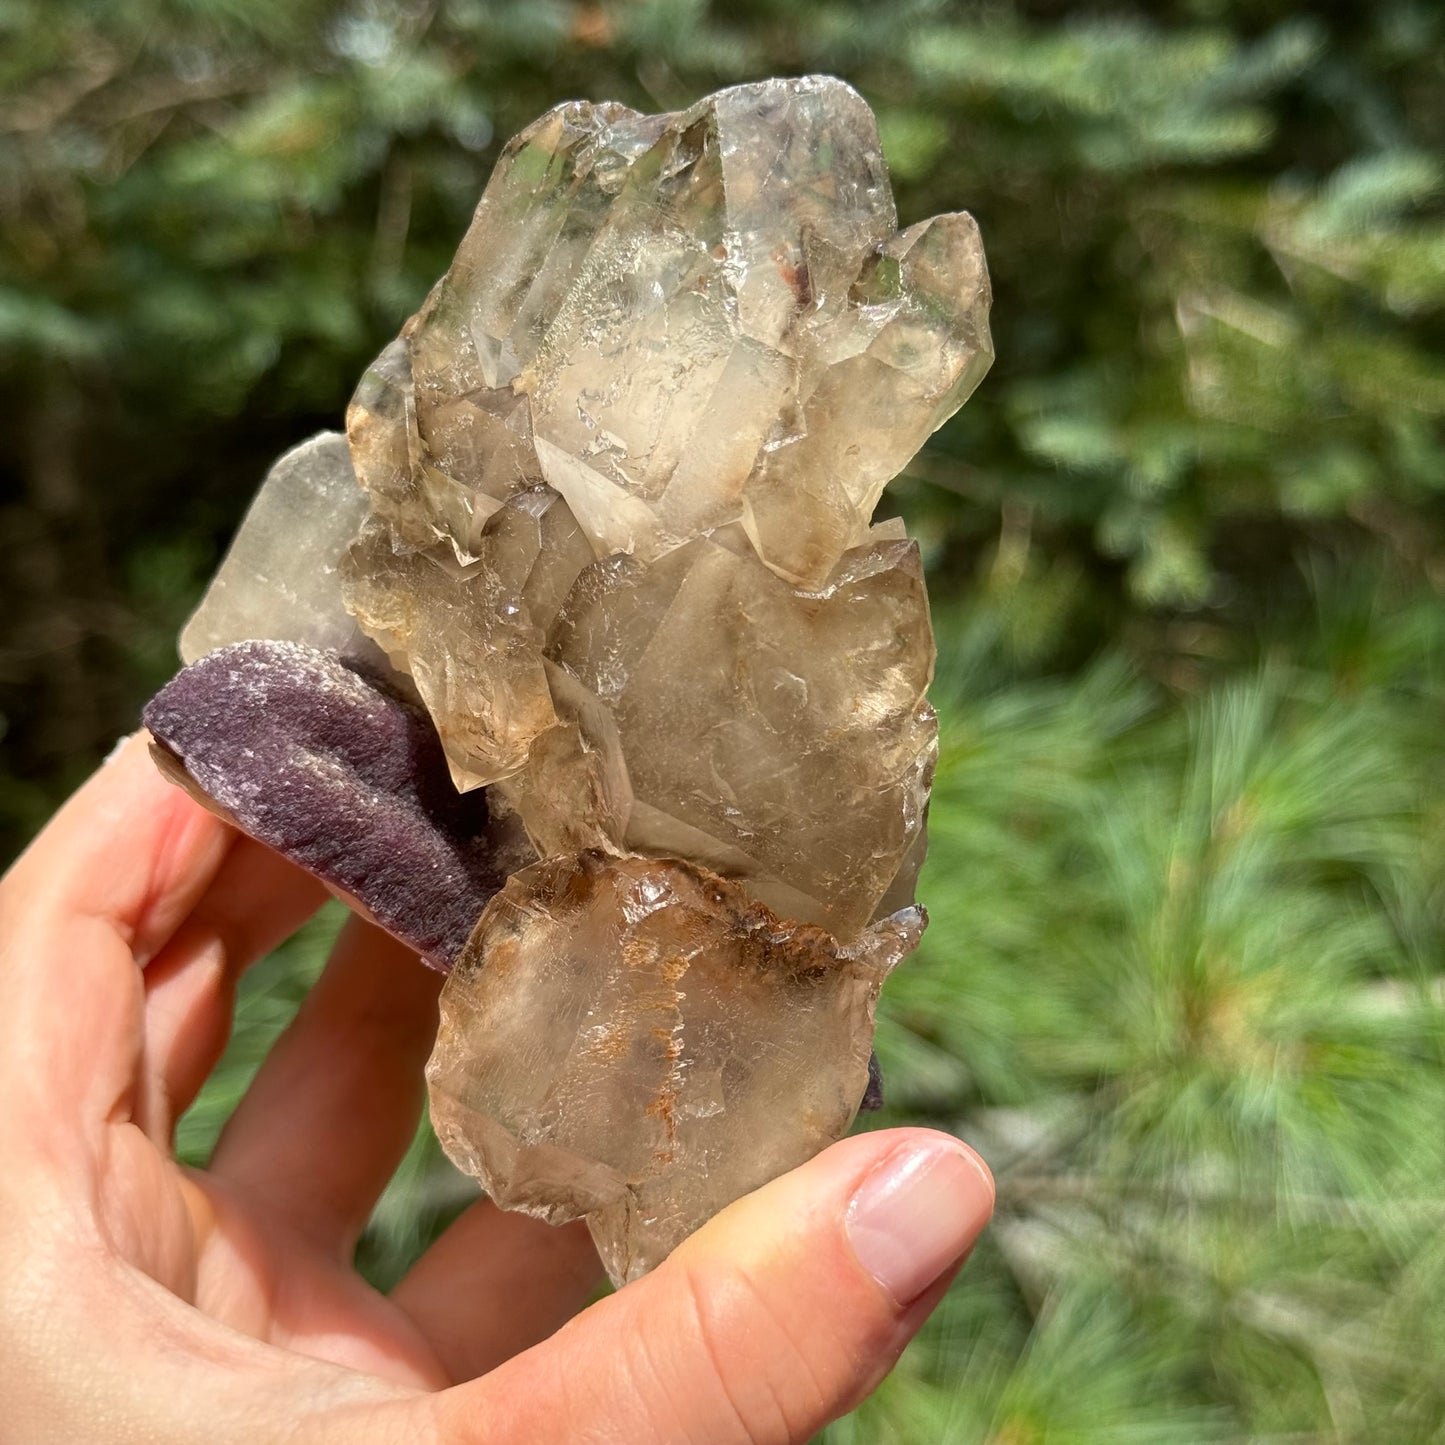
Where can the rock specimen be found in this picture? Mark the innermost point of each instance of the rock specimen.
(470, 635)
(613, 532)
(777, 736)
(680, 321)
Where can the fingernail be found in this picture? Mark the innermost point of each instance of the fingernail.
(117, 749)
(917, 1214)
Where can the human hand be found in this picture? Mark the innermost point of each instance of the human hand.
(143, 1301)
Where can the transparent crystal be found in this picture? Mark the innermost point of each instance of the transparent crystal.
(640, 1043)
(470, 636)
(679, 322)
(279, 578)
(777, 736)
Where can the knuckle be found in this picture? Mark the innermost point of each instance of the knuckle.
(772, 1380)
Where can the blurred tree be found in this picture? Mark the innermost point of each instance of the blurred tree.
(1184, 979)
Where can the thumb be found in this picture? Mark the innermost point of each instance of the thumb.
(778, 1316)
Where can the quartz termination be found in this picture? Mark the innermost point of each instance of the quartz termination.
(678, 322)
(614, 533)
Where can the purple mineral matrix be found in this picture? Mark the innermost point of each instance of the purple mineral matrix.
(327, 765)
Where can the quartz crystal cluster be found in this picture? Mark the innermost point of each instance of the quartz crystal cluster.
(599, 545)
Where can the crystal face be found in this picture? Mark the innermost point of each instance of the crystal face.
(471, 636)
(279, 579)
(734, 1045)
(608, 524)
(778, 736)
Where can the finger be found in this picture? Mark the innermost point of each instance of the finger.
(100, 1353)
(256, 900)
(495, 1284)
(772, 1320)
(333, 1108)
(102, 888)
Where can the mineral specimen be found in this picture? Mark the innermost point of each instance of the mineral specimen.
(471, 636)
(679, 323)
(614, 533)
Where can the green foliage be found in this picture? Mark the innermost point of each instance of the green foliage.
(1181, 988)
(1184, 978)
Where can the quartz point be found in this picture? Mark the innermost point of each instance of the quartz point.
(279, 578)
(608, 519)
(678, 322)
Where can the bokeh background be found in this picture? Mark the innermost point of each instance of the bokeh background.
(1187, 544)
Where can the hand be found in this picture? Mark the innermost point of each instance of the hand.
(143, 1301)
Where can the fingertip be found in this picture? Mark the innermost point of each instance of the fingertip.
(917, 1137)
(917, 1212)
(127, 847)
(902, 1206)
(131, 756)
